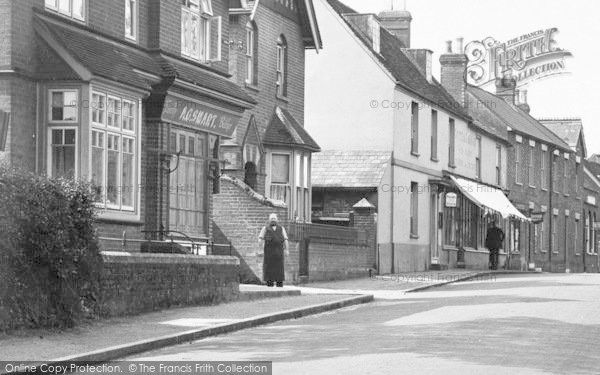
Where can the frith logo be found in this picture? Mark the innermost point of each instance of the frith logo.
(527, 58)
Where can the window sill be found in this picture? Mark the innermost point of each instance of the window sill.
(554, 252)
(519, 183)
(414, 236)
(453, 166)
(543, 189)
(532, 187)
(416, 154)
(435, 160)
(131, 39)
(567, 195)
(252, 86)
(544, 251)
(577, 254)
(282, 98)
(119, 217)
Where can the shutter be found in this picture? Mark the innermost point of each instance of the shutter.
(215, 38)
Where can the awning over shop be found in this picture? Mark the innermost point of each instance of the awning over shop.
(488, 197)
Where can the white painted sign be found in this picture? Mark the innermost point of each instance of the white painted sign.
(451, 199)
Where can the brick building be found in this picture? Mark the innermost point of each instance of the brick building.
(138, 96)
(591, 214)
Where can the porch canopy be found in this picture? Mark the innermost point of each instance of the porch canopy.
(488, 197)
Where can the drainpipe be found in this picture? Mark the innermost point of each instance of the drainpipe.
(392, 269)
(550, 208)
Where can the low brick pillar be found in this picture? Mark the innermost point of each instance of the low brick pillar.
(134, 283)
(364, 216)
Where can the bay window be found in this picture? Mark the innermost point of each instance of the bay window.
(69, 8)
(113, 151)
(200, 31)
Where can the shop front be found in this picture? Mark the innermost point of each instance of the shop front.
(467, 209)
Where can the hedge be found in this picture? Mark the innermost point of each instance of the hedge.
(49, 256)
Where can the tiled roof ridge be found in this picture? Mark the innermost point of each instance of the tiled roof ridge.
(547, 132)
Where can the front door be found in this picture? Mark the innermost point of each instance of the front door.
(188, 184)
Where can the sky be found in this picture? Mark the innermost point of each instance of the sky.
(572, 95)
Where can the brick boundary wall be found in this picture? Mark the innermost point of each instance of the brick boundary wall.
(134, 283)
(337, 262)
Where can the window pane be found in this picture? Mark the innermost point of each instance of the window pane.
(305, 179)
(280, 169)
(98, 163)
(57, 106)
(69, 137)
(51, 4)
(57, 137)
(78, 9)
(112, 170)
(130, 18)
(64, 7)
(128, 168)
(114, 112)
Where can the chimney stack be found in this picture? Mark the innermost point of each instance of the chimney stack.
(506, 89)
(397, 22)
(522, 100)
(454, 66)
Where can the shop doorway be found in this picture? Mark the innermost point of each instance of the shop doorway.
(188, 185)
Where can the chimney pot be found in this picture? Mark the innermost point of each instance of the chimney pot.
(459, 45)
(448, 46)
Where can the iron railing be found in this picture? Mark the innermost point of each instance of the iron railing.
(196, 246)
(327, 234)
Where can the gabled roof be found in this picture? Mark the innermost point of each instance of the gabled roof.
(515, 118)
(592, 166)
(252, 136)
(402, 68)
(285, 130)
(569, 130)
(349, 169)
(308, 19)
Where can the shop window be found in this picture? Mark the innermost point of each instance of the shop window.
(131, 19)
(188, 193)
(200, 31)
(64, 106)
(69, 8)
(282, 51)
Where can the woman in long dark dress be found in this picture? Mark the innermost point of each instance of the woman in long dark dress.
(273, 239)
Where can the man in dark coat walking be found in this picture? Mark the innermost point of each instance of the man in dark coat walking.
(274, 240)
(493, 241)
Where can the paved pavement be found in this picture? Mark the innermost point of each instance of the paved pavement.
(44, 345)
(523, 324)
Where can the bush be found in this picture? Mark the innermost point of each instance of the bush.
(50, 255)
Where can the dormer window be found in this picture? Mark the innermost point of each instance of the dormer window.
(200, 31)
(69, 8)
(376, 32)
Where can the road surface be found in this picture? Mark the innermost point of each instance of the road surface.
(524, 324)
